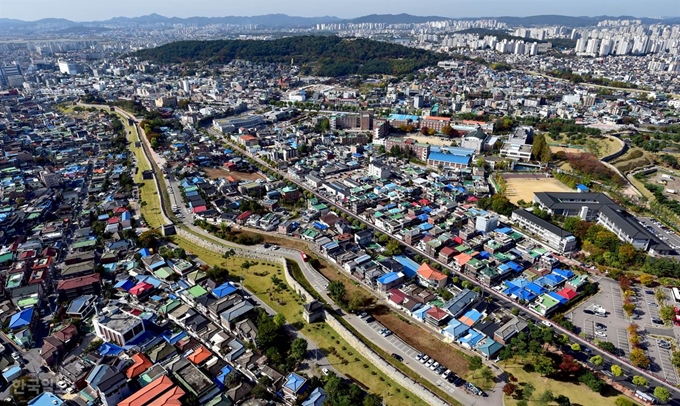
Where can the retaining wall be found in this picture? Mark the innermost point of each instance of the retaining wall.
(623, 150)
(375, 359)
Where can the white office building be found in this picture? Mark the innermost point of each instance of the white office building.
(119, 328)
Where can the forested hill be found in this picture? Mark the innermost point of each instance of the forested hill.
(319, 55)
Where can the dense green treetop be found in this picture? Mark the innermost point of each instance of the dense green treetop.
(325, 55)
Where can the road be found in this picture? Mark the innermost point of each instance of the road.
(625, 364)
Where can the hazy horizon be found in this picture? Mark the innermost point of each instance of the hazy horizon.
(80, 10)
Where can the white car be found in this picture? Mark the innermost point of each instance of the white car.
(546, 323)
(446, 373)
(434, 366)
(429, 362)
(601, 334)
(62, 385)
(424, 359)
(324, 371)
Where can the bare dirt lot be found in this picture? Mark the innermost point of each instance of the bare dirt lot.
(215, 173)
(432, 140)
(523, 187)
(555, 150)
(670, 185)
(422, 340)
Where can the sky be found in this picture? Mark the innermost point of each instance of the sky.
(94, 10)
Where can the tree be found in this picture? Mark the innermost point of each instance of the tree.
(629, 308)
(509, 388)
(336, 290)
(616, 370)
(233, 380)
(424, 130)
(597, 360)
(544, 365)
(447, 130)
(667, 313)
(149, 239)
(640, 380)
(568, 365)
(298, 348)
(662, 394)
(279, 320)
(486, 374)
(593, 382)
(675, 359)
(475, 362)
(546, 397)
(563, 339)
(646, 279)
(607, 346)
(260, 390)
(372, 399)
(562, 400)
(659, 295)
(393, 248)
(268, 334)
(528, 391)
(639, 359)
(576, 347)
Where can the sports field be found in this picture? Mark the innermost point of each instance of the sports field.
(523, 187)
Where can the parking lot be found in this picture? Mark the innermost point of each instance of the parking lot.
(668, 371)
(615, 321)
(666, 235)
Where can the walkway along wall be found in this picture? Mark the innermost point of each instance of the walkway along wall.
(383, 365)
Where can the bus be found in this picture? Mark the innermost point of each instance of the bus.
(645, 397)
(304, 256)
(676, 294)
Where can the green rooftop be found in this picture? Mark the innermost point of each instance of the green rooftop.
(197, 291)
(164, 272)
(83, 244)
(29, 301)
(14, 280)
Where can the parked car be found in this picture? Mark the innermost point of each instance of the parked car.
(424, 359)
(601, 334)
(324, 371)
(419, 356)
(446, 373)
(397, 357)
(386, 333)
(429, 362)
(434, 366)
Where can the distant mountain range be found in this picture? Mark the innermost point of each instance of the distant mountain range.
(286, 21)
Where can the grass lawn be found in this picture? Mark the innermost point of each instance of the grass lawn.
(602, 146)
(475, 378)
(423, 340)
(639, 186)
(575, 391)
(339, 352)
